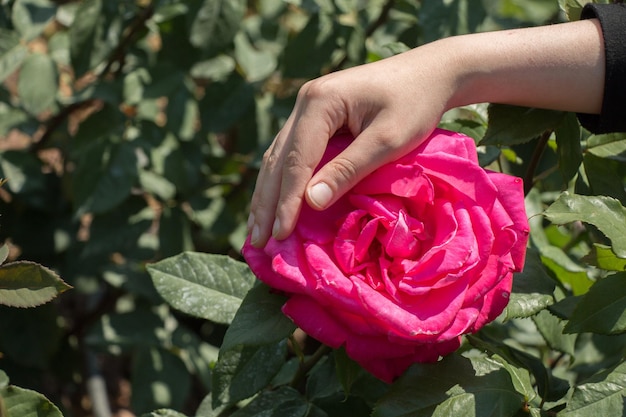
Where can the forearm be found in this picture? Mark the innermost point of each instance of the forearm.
(555, 67)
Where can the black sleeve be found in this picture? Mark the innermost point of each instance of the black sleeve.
(612, 118)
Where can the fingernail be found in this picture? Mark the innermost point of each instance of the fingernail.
(320, 194)
(254, 236)
(276, 228)
(250, 222)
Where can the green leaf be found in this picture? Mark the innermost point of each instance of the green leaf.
(38, 83)
(602, 256)
(199, 356)
(572, 8)
(612, 146)
(259, 320)
(203, 285)
(164, 412)
(322, 381)
(602, 179)
(283, 402)
(83, 32)
(603, 309)
(4, 379)
(568, 146)
(123, 332)
(206, 408)
(216, 23)
(159, 379)
(601, 395)
(256, 64)
(606, 213)
(28, 284)
(512, 125)
(120, 230)
(174, 232)
(22, 332)
(520, 377)
(309, 52)
(4, 253)
(532, 288)
(549, 387)
(348, 371)
(12, 53)
(226, 103)
(26, 403)
(30, 17)
(442, 18)
(243, 371)
(551, 328)
(478, 386)
(105, 176)
(23, 172)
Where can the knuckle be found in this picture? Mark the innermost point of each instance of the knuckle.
(294, 161)
(315, 89)
(269, 159)
(344, 169)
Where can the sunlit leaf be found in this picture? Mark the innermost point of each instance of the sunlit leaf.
(30, 17)
(606, 213)
(26, 403)
(478, 386)
(38, 83)
(12, 53)
(28, 284)
(612, 146)
(603, 257)
(216, 23)
(532, 289)
(203, 285)
(601, 395)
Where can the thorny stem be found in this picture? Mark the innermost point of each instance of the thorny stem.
(307, 365)
(529, 178)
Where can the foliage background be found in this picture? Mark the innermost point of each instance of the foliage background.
(130, 138)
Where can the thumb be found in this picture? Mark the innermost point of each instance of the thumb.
(369, 151)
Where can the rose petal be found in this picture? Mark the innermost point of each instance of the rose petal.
(448, 143)
(397, 179)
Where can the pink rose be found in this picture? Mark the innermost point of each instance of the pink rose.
(420, 252)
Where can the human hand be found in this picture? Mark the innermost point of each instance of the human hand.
(388, 106)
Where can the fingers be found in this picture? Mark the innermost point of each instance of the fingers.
(287, 167)
(371, 149)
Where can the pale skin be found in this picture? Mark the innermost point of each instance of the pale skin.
(391, 105)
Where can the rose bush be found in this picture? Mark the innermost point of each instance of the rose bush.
(419, 253)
